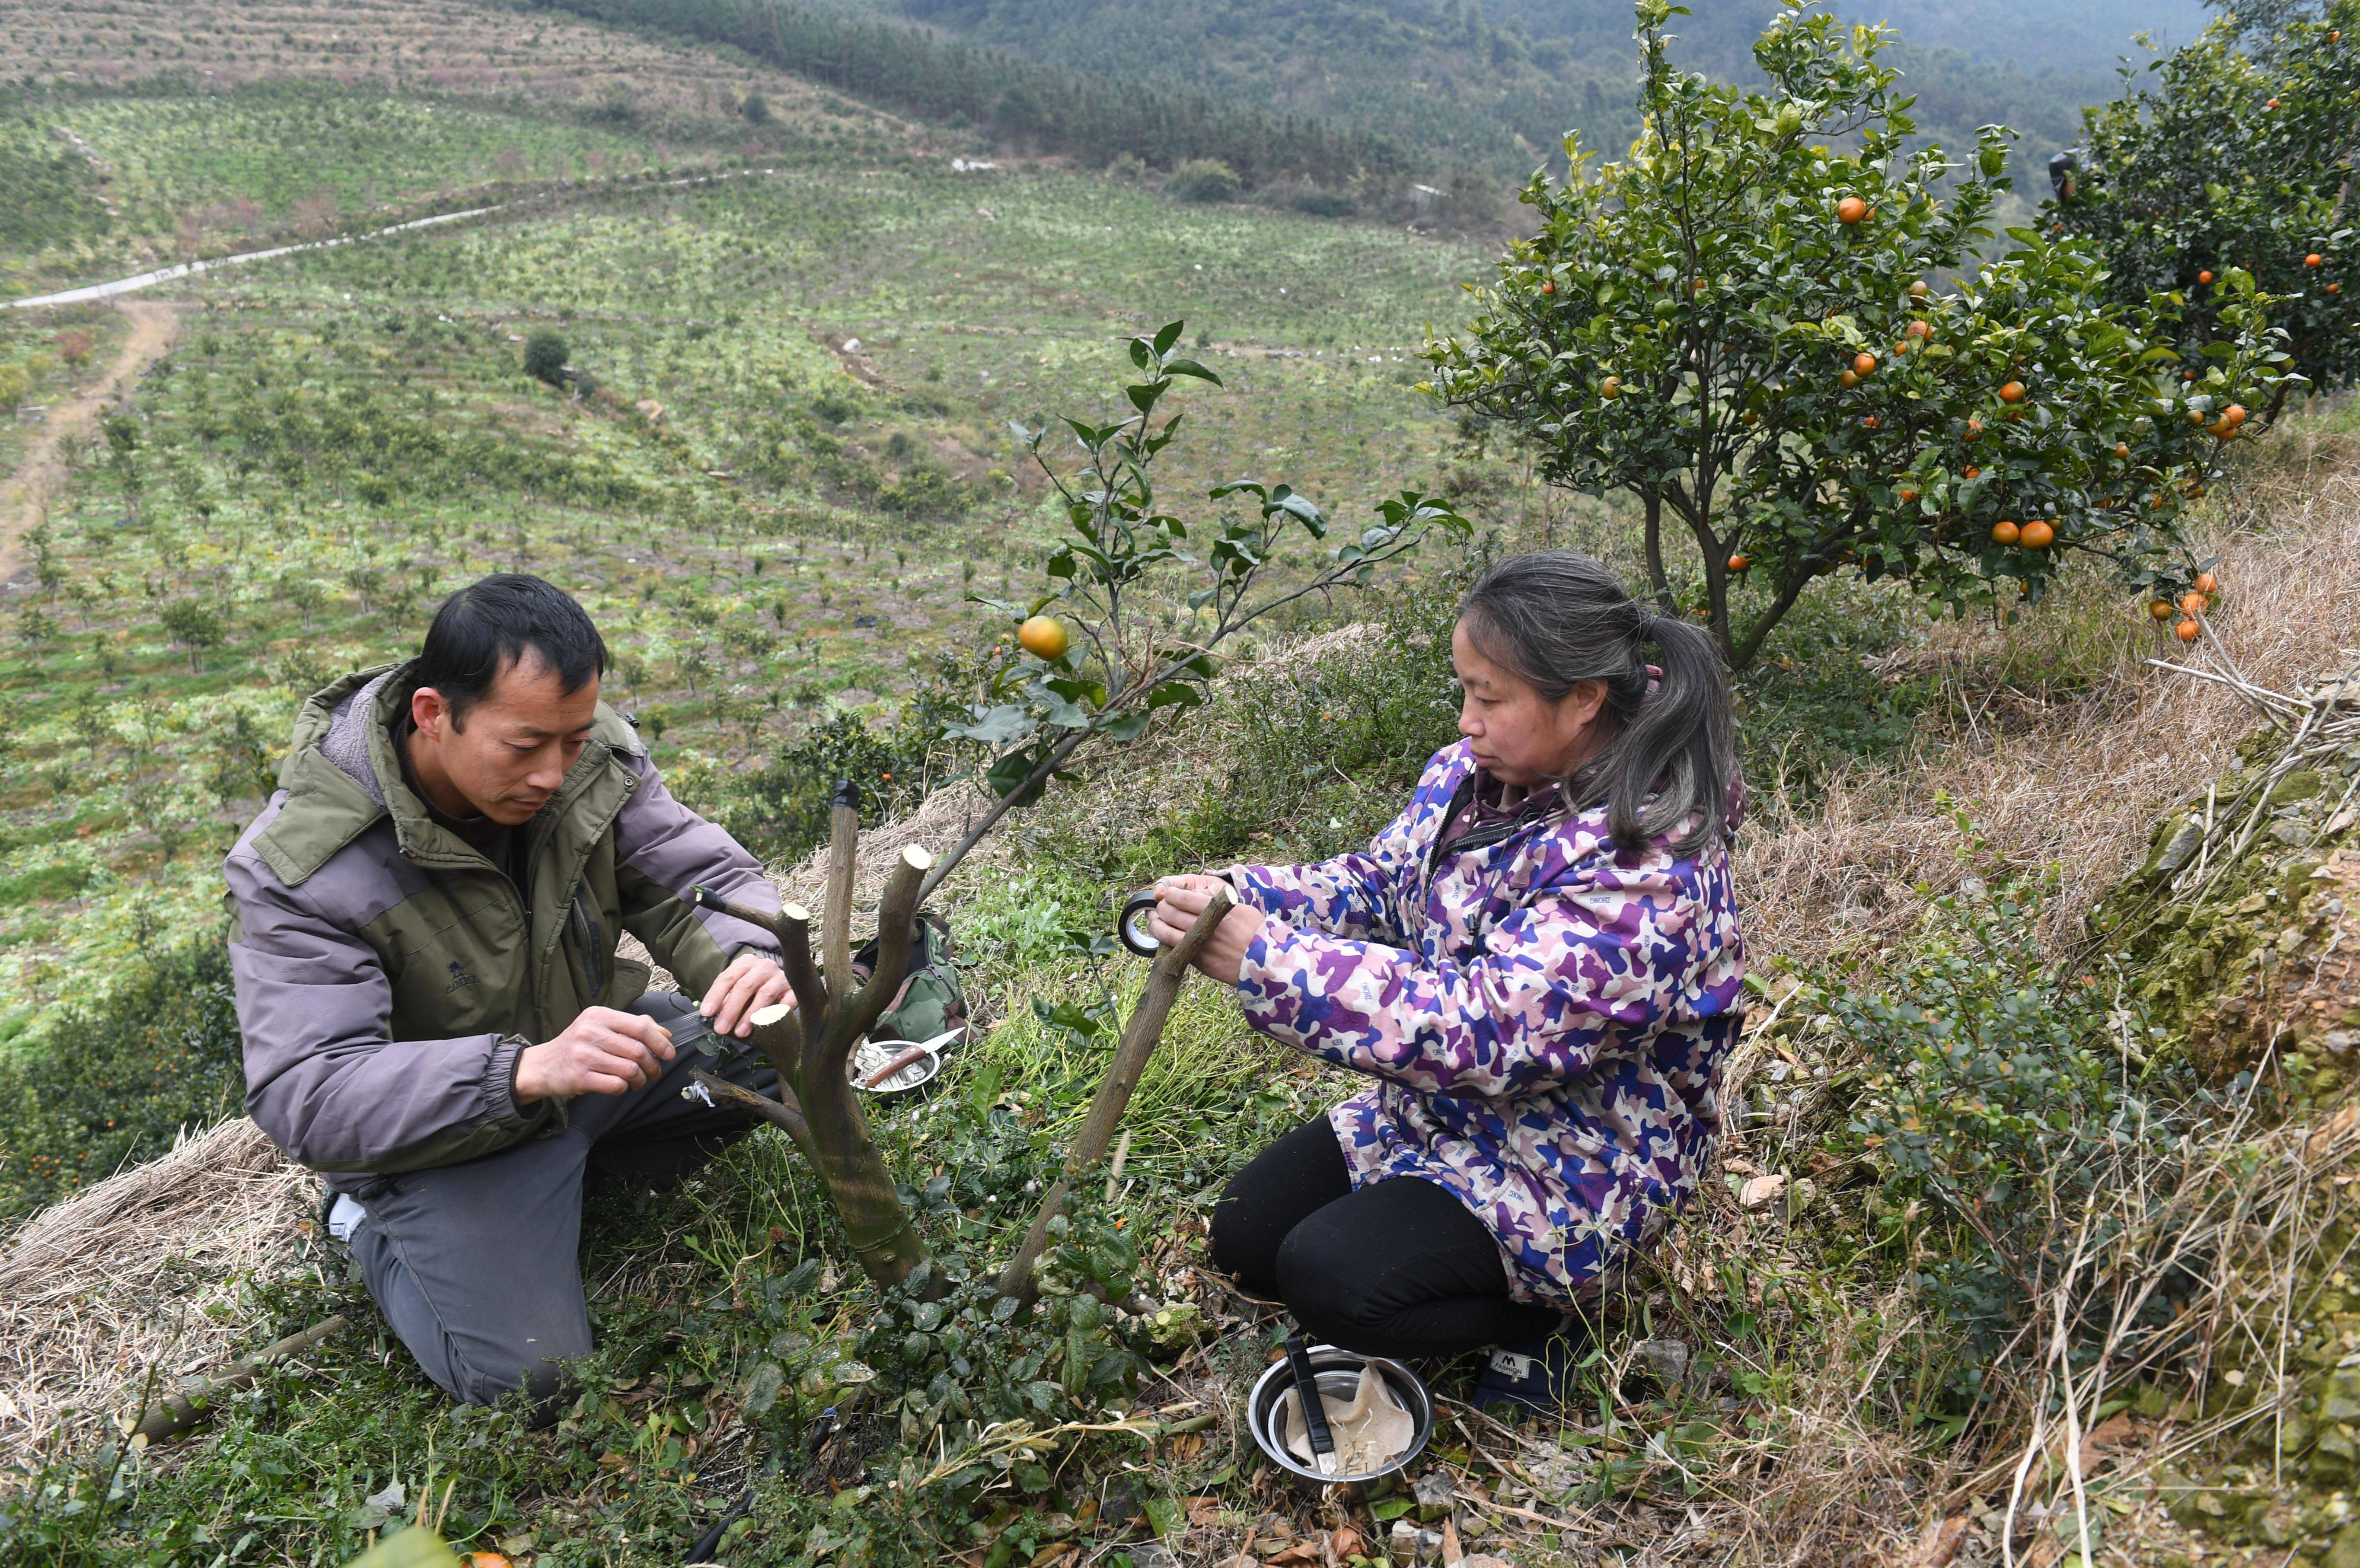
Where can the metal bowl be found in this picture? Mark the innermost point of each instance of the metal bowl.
(872, 1055)
(1337, 1372)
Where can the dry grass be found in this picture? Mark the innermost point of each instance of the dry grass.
(142, 1271)
(2068, 775)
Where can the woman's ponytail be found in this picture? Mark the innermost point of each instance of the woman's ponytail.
(1557, 619)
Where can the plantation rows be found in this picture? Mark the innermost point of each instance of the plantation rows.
(783, 470)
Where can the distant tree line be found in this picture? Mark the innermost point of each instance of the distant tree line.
(1032, 104)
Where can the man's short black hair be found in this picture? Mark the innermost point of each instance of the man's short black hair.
(492, 623)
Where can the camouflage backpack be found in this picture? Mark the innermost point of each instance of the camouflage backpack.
(931, 1002)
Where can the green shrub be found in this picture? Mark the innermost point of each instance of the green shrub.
(110, 1087)
(1999, 1108)
(1324, 203)
(545, 356)
(43, 884)
(755, 108)
(1205, 180)
(779, 811)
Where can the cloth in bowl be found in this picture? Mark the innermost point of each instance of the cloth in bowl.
(1371, 1430)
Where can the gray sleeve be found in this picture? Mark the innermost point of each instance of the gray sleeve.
(661, 850)
(324, 1077)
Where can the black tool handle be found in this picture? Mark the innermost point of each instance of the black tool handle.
(1306, 1390)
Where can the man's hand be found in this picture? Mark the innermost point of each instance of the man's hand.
(602, 1052)
(1180, 900)
(753, 981)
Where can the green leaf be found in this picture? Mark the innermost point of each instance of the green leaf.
(1129, 726)
(1190, 368)
(999, 727)
(1169, 335)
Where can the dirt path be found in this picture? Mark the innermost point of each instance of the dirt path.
(25, 494)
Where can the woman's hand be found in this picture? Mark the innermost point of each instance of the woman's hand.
(1180, 900)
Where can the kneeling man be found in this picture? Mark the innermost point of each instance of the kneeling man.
(435, 1016)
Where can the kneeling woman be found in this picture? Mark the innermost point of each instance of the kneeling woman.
(1539, 965)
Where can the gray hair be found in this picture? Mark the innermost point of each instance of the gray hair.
(1557, 619)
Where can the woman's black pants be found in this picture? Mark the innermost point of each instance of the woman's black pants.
(1398, 1268)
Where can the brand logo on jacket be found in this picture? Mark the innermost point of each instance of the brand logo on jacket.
(460, 978)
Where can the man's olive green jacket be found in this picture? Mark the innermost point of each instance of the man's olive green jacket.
(389, 975)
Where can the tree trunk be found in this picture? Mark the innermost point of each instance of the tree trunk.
(1746, 650)
(1652, 500)
(810, 1042)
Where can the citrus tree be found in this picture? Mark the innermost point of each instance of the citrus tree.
(1740, 325)
(2239, 156)
(1133, 606)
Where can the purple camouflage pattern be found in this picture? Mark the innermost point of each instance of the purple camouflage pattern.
(1547, 1019)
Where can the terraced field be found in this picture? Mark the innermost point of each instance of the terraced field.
(136, 132)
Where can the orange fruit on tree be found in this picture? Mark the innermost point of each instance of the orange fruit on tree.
(1909, 494)
(2039, 535)
(2122, 448)
(1919, 290)
(1739, 564)
(487, 1560)
(2271, 105)
(1848, 380)
(2187, 631)
(1974, 428)
(1610, 388)
(1850, 210)
(1864, 364)
(2205, 276)
(1920, 329)
(2191, 605)
(2005, 532)
(1044, 637)
(2313, 259)
(2207, 584)
(2012, 393)
(1868, 423)
(1548, 285)
(2160, 609)
(1971, 471)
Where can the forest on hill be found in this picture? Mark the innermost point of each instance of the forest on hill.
(1497, 86)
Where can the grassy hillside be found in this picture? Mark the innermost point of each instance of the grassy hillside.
(794, 468)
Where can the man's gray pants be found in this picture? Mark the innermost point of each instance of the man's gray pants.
(477, 1266)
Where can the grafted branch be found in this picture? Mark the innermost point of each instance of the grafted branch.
(1139, 1038)
(810, 1042)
